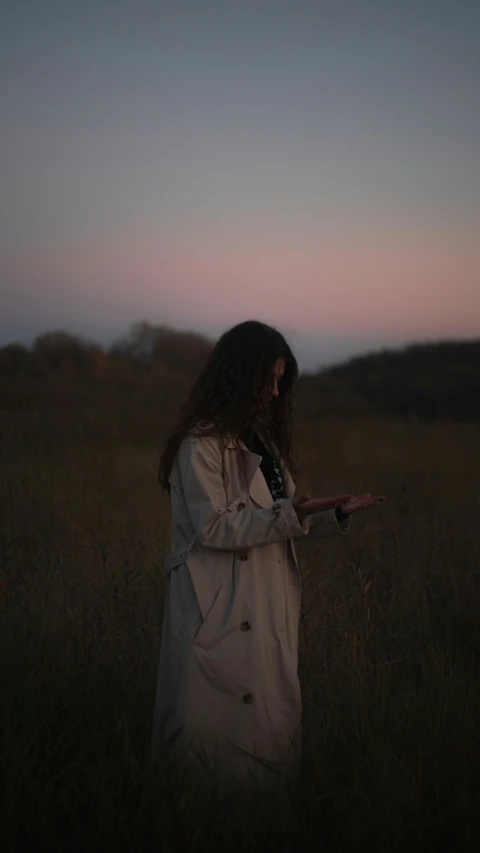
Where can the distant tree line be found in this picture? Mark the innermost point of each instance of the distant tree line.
(147, 350)
(427, 380)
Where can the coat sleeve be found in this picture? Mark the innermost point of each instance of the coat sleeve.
(325, 523)
(225, 527)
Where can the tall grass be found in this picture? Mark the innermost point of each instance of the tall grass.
(389, 641)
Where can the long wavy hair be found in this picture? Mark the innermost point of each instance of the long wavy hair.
(229, 393)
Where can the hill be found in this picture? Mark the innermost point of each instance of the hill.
(154, 365)
(425, 380)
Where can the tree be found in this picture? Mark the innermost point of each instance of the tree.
(65, 353)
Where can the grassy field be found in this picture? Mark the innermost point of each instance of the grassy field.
(389, 651)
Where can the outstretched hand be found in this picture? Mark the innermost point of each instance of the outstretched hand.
(361, 502)
(306, 505)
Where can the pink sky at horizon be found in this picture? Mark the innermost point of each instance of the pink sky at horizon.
(405, 283)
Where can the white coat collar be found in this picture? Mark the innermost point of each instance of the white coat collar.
(258, 489)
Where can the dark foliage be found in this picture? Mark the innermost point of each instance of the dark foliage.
(427, 380)
(422, 380)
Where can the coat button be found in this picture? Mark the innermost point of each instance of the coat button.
(247, 699)
(240, 506)
(245, 626)
(243, 557)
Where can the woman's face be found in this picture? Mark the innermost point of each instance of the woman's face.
(278, 371)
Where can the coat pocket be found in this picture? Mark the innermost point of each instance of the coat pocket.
(208, 573)
(215, 621)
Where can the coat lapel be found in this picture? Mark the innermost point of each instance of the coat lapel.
(258, 489)
(257, 486)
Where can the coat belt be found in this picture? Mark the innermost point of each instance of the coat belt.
(175, 559)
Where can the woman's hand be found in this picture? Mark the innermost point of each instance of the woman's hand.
(361, 502)
(306, 505)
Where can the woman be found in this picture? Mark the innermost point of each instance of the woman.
(228, 696)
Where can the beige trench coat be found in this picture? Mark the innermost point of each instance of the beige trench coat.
(228, 692)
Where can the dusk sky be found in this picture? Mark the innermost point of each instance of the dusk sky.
(315, 165)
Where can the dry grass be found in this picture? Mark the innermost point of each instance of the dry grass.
(389, 639)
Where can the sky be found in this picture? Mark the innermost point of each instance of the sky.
(311, 164)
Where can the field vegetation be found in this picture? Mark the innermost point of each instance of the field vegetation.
(389, 639)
